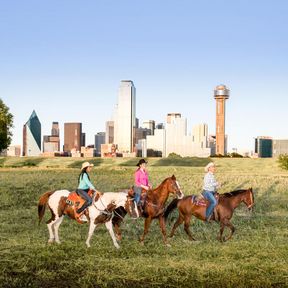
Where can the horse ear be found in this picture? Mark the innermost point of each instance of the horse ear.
(173, 177)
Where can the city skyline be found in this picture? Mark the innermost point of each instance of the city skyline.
(68, 69)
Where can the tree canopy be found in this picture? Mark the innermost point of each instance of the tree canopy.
(6, 124)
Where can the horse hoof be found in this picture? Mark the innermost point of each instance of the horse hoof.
(141, 243)
(117, 246)
(88, 245)
(168, 245)
(50, 241)
(58, 241)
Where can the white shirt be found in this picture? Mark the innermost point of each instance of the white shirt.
(210, 183)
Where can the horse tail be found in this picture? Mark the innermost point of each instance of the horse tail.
(170, 207)
(42, 204)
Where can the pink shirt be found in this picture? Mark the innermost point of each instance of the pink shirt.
(141, 178)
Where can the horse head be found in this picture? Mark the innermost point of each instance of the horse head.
(249, 198)
(130, 206)
(174, 187)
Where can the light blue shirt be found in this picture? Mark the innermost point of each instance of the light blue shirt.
(85, 183)
(210, 183)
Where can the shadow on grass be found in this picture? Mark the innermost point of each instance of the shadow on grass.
(130, 163)
(26, 162)
(185, 161)
(77, 164)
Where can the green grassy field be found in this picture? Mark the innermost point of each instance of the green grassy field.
(255, 257)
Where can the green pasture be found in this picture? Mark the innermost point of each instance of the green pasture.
(255, 257)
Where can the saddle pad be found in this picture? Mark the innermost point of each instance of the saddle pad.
(198, 202)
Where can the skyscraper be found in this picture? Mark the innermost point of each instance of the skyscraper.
(125, 119)
(221, 93)
(32, 136)
(109, 134)
(51, 143)
(73, 137)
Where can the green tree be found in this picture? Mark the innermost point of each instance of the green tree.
(6, 123)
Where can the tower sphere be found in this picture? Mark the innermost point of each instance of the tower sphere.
(221, 91)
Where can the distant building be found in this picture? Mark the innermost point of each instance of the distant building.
(263, 146)
(172, 116)
(149, 125)
(280, 146)
(221, 94)
(99, 140)
(73, 137)
(200, 135)
(212, 144)
(108, 150)
(51, 143)
(14, 150)
(125, 119)
(174, 139)
(32, 136)
(88, 152)
(109, 134)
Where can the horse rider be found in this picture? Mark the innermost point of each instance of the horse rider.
(84, 185)
(209, 189)
(141, 180)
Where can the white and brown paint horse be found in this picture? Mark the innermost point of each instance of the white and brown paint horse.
(99, 212)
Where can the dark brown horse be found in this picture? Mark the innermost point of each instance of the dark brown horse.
(188, 206)
(154, 207)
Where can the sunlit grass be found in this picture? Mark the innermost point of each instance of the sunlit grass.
(255, 257)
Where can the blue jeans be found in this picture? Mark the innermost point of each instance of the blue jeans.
(137, 193)
(209, 195)
(86, 197)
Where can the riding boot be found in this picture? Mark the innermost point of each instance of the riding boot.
(81, 209)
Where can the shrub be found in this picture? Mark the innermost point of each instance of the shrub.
(283, 161)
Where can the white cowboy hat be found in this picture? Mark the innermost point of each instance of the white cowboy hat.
(86, 164)
(211, 164)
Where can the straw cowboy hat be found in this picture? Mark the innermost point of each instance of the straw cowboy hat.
(86, 164)
(141, 161)
(211, 164)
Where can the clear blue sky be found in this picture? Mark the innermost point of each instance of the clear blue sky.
(65, 59)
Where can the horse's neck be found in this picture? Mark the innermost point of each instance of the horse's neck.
(157, 196)
(237, 200)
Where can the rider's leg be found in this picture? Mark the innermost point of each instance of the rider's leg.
(137, 194)
(212, 202)
(86, 197)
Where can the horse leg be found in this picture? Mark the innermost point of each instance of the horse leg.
(56, 227)
(109, 226)
(92, 227)
(186, 227)
(118, 233)
(177, 223)
(51, 232)
(222, 227)
(163, 229)
(232, 229)
(146, 227)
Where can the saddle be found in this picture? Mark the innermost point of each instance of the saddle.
(75, 201)
(201, 201)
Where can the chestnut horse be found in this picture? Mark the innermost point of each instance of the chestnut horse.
(99, 212)
(154, 207)
(188, 206)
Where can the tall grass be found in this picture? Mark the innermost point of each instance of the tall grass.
(255, 257)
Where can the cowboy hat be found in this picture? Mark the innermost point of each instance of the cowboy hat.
(211, 164)
(141, 161)
(86, 164)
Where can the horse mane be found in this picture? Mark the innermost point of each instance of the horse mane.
(234, 193)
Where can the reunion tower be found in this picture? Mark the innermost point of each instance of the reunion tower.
(221, 93)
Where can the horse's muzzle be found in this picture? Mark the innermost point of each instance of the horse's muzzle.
(181, 195)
